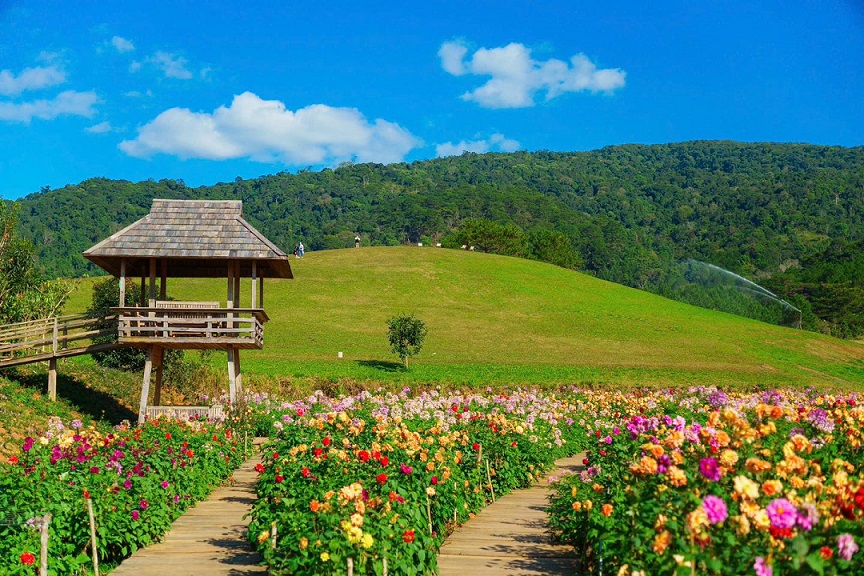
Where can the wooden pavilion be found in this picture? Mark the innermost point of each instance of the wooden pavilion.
(190, 239)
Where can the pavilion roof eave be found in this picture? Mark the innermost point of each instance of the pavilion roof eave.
(192, 267)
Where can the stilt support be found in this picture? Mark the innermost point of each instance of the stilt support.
(145, 388)
(235, 378)
(158, 366)
(52, 378)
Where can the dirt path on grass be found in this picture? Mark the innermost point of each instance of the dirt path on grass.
(209, 539)
(510, 537)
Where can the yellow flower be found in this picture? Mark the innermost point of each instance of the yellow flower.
(357, 520)
(677, 477)
(263, 536)
(742, 525)
(367, 541)
(588, 505)
(430, 491)
(304, 543)
(325, 556)
(697, 519)
(746, 488)
(761, 520)
(728, 458)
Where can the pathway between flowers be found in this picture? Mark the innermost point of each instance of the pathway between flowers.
(209, 539)
(511, 536)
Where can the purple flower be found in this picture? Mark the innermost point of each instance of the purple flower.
(616, 430)
(761, 568)
(135, 515)
(76, 424)
(808, 516)
(820, 420)
(718, 399)
(782, 513)
(165, 484)
(846, 546)
(176, 498)
(608, 439)
(127, 484)
(710, 469)
(715, 509)
(28, 444)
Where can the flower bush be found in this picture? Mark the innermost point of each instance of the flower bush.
(370, 477)
(138, 479)
(705, 482)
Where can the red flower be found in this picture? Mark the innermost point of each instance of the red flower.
(434, 480)
(259, 468)
(408, 536)
(326, 441)
(780, 532)
(279, 478)
(318, 452)
(215, 437)
(514, 444)
(305, 472)
(825, 552)
(13, 460)
(859, 498)
(275, 455)
(28, 559)
(584, 461)
(381, 478)
(86, 494)
(363, 455)
(299, 412)
(167, 436)
(475, 446)
(597, 433)
(384, 461)
(602, 453)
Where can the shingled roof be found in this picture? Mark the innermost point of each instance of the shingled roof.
(196, 238)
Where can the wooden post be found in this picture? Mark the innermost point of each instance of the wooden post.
(43, 545)
(273, 535)
(163, 281)
(261, 291)
(93, 537)
(232, 374)
(254, 284)
(122, 282)
(489, 479)
(384, 568)
(143, 298)
(145, 388)
(52, 379)
(429, 513)
(350, 567)
(158, 365)
(152, 292)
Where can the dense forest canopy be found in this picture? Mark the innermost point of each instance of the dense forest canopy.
(790, 216)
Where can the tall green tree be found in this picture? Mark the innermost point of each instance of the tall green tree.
(24, 293)
(406, 334)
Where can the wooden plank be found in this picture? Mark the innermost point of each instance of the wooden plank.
(209, 539)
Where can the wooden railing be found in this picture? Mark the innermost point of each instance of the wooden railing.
(175, 325)
(52, 337)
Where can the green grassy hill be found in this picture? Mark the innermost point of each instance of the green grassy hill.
(500, 320)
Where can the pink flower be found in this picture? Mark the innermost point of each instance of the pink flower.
(165, 484)
(782, 513)
(405, 469)
(846, 546)
(710, 469)
(135, 515)
(761, 568)
(715, 509)
(143, 504)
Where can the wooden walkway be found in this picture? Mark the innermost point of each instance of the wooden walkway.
(510, 537)
(209, 539)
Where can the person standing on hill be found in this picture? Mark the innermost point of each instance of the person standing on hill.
(300, 250)
(357, 241)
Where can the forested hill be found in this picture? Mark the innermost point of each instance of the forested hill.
(789, 215)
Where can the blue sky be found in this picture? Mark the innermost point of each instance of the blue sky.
(210, 92)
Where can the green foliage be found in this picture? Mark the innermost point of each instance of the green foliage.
(406, 334)
(24, 293)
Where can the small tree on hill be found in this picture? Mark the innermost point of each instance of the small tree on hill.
(406, 335)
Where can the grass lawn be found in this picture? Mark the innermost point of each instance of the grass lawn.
(496, 320)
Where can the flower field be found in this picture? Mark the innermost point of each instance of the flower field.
(384, 478)
(703, 482)
(138, 481)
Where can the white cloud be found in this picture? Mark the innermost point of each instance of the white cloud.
(516, 78)
(70, 103)
(452, 55)
(100, 128)
(30, 79)
(172, 66)
(122, 44)
(265, 131)
(496, 142)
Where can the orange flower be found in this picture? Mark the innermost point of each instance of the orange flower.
(606, 510)
(661, 542)
(314, 506)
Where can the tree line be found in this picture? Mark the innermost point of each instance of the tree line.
(789, 216)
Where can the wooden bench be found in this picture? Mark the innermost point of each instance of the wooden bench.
(194, 325)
